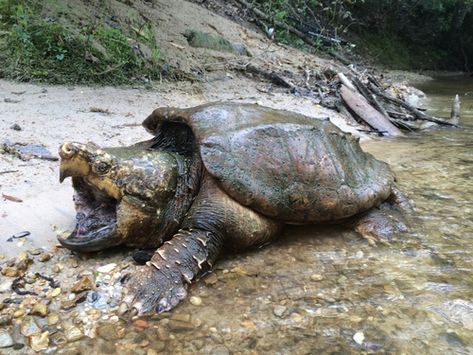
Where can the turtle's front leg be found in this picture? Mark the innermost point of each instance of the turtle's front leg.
(162, 282)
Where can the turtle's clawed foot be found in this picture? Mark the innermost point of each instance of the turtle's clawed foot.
(152, 290)
(380, 225)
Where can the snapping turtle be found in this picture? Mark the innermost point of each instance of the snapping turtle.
(218, 176)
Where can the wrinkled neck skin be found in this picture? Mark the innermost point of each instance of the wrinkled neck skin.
(189, 175)
(143, 225)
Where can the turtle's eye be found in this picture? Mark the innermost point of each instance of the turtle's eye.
(102, 167)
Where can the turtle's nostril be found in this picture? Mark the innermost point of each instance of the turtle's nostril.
(66, 151)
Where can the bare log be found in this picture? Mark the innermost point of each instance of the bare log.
(345, 81)
(268, 75)
(417, 113)
(455, 114)
(358, 104)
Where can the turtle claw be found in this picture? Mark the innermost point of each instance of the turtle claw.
(151, 289)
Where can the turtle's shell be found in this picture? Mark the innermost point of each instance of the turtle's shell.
(284, 165)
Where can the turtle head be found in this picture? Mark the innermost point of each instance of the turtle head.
(120, 194)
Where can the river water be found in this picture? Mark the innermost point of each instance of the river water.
(325, 289)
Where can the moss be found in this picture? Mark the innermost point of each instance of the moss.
(214, 42)
(36, 47)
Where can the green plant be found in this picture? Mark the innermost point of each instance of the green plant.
(34, 47)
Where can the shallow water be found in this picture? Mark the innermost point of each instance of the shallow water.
(326, 290)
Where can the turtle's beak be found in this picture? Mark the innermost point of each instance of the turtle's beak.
(73, 163)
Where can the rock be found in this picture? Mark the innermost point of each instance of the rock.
(29, 327)
(73, 333)
(178, 326)
(53, 292)
(5, 319)
(195, 300)
(67, 304)
(182, 317)
(15, 127)
(359, 338)
(316, 277)
(19, 313)
(211, 279)
(220, 350)
(5, 339)
(39, 342)
(279, 311)
(9, 271)
(106, 268)
(111, 331)
(84, 284)
(53, 319)
(43, 257)
(40, 309)
(5, 286)
(141, 323)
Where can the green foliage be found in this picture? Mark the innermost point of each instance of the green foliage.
(434, 34)
(42, 49)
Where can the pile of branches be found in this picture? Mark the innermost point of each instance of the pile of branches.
(360, 96)
(369, 101)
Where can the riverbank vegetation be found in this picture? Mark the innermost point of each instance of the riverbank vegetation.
(42, 41)
(404, 34)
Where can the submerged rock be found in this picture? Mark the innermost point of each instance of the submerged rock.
(5, 339)
(39, 342)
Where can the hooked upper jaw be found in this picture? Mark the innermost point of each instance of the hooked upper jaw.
(96, 208)
(74, 161)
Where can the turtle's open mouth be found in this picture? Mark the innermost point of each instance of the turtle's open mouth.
(96, 219)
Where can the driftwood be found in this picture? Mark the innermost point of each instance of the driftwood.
(272, 76)
(417, 113)
(455, 114)
(359, 105)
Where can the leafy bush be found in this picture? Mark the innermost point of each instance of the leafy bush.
(43, 49)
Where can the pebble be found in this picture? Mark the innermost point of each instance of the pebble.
(40, 309)
(5, 339)
(19, 313)
(182, 317)
(43, 257)
(141, 323)
(359, 338)
(109, 331)
(107, 268)
(54, 292)
(211, 279)
(5, 319)
(34, 251)
(15, 127)
(29, 327)
(84, 284)
(220, 350)
(9, 271)
(53, 319)
(73, 333)
(39, 342)
(195, 300)
(5, 286)
(176, 325)
(279, 311)
(316, 277)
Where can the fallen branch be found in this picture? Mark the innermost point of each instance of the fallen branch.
(359, 105)
(417, 113)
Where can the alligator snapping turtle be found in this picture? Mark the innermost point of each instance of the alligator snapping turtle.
(220, 175)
